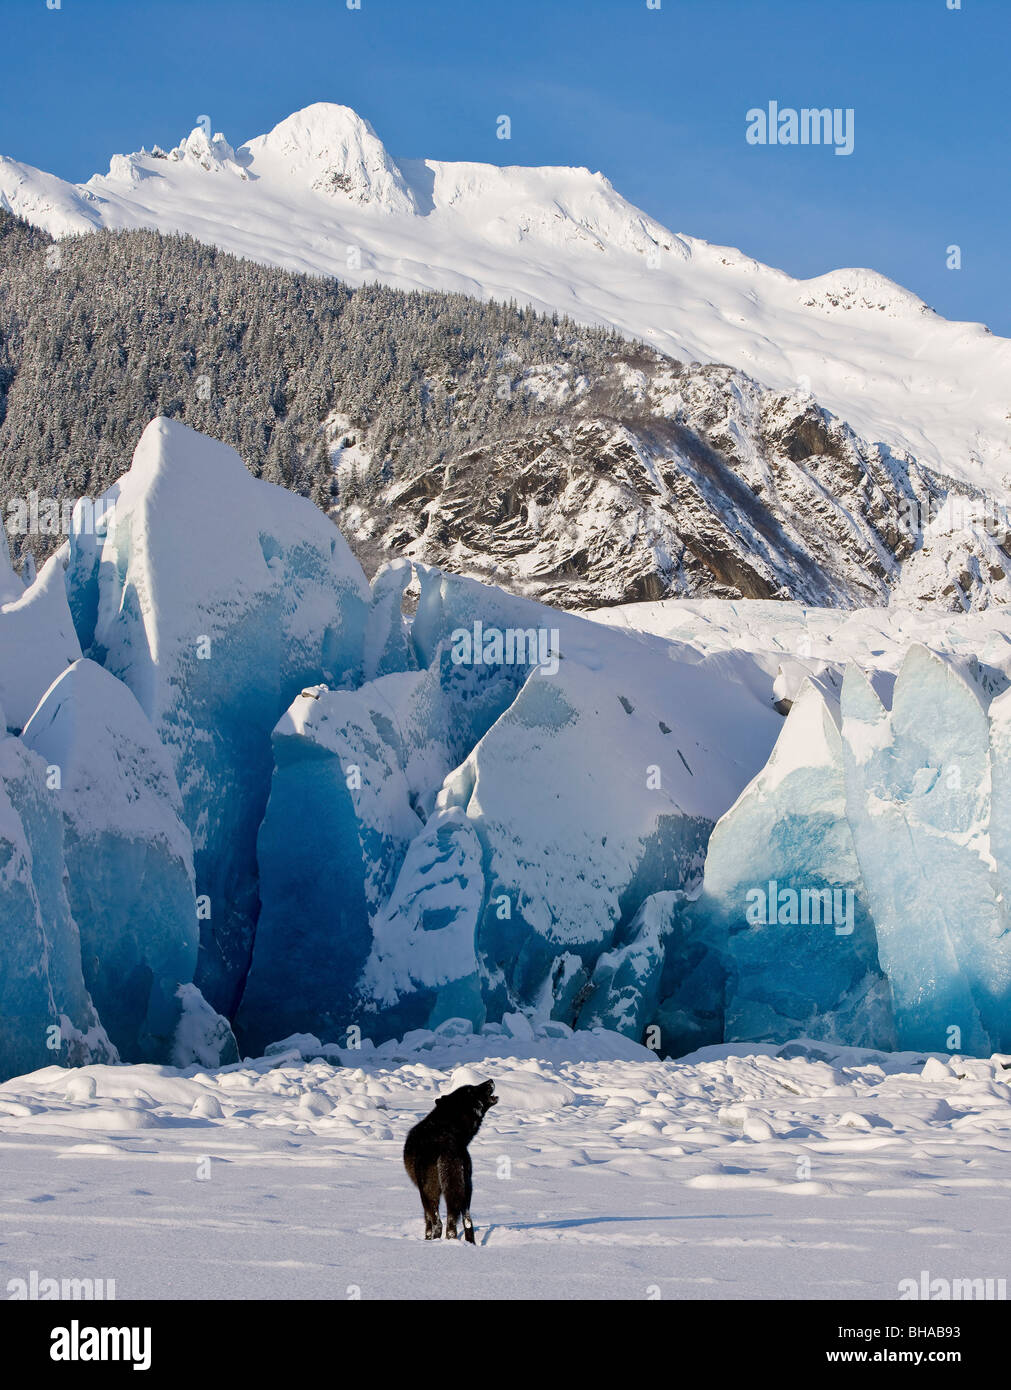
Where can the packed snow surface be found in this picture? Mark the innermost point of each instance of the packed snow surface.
(801, 1171)
(320, 193)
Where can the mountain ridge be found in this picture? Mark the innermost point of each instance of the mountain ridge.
(319, 193)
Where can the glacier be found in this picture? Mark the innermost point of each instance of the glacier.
(46, 1013)
(784, 903)
(214, 597)
(479, 832)
(129, 857)
(246, 795)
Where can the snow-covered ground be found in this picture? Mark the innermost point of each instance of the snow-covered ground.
(745, 1171)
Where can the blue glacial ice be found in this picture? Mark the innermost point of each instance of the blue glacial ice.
(918, 780)
(215, 597)
(46, 1014)
(624, 989)
(477, 832)
(128, 855)
(783, 902)
(239, 784)
(359, 771)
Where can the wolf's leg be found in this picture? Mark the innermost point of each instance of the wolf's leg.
(468, 1192)
(430, 1192)
(451, 1173)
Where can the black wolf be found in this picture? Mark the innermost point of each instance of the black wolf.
(437, 1160)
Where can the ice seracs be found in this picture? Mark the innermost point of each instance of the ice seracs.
(47, 1016)
(129, 857)
(38, 640)
(389, 834)
(918, 782)
(216, 597)
(784, 900)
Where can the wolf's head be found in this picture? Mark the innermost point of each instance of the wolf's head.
(468, 1104)
(487, 1095)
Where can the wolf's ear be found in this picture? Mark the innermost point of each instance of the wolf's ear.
(489, 1087)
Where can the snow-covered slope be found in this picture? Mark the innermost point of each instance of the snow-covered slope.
(320, 193)
(658, 480)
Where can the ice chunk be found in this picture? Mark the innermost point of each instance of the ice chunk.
(216, 597)
(1000, 804)
(37, 640)
(129, 857)
(202, 1037)
(624, 990)
(46, 1014)
(918, 800)
(783, 897)
(423, 968)
(388, 644)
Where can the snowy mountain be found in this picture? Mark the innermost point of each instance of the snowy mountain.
(320, 193)
(561, 462)
(428, 801)
(656, 481)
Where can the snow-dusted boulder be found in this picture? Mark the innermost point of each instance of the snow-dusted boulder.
(216, 597)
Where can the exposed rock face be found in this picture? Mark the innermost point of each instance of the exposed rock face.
(663, 481)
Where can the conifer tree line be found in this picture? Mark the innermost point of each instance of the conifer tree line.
(101, 332)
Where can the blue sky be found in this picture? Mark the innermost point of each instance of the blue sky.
(654, 98)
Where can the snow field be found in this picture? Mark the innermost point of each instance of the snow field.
(741, 1171)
